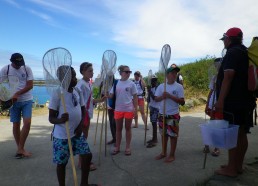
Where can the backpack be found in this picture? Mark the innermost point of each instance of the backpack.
(143, 89)
(253, 65)
(112, 102)
(177, 78)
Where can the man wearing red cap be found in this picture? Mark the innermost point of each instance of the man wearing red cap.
(234, 99)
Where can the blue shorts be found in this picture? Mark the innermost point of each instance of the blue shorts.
(61, 151)
(154, 112)
(19, 109)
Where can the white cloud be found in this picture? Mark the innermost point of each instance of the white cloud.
(192, 30)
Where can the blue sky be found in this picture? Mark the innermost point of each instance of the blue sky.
(135, 29)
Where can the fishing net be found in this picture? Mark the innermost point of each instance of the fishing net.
(8, 86)
(164, 58)
(57, 69)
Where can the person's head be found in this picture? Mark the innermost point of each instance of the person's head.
(217, 62)
(154, 81)
(86, 70)
(17, 60)
(124, 72)
(232, 36)
(63, 76)
(172, 73)
(137, 75)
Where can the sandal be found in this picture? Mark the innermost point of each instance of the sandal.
(150, 145)
(92, 167)
(19, 156)
(206, 150)
(149, 141)
(115, 152)
(215, 152)
(128, 153)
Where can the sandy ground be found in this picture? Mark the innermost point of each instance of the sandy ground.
(139, 169)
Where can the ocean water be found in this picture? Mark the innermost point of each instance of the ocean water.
(40, 94)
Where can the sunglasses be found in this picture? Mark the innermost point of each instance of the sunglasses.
(127, 71)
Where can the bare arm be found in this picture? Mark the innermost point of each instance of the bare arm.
(225, 87)
(135, 101)
(28, 86)
(53, 117)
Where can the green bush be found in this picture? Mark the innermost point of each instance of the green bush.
(196, 78)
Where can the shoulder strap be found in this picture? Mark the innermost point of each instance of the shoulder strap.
(26, 72)
(140, 82)
(88, 102)
(7, 73)
(114, 88)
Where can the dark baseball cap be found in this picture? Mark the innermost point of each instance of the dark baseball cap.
(17, 59)
(173, 67)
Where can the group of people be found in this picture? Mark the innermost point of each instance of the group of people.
(231, 98)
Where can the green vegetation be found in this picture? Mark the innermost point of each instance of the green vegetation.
(196, 82)
(195, 77)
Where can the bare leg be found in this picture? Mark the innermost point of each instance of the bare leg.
(23, 136)
(16, 133)
(85, 168)
(143, 114)
(241, 150)
(154, 132)
(119, 128)
(161, 155)
(128, 133)
(60, 171)
(173, 143)
(136, 121)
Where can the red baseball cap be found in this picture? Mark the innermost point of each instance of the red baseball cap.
(232, 32)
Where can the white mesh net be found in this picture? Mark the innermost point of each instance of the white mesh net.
(57, 69)
(8, 87)
(164, 58)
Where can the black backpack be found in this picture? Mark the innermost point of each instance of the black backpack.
(112, 102)
(143, 89)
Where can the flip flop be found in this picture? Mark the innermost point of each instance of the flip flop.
(128, 153)
(206, 150)
(215, 153)
(149, 141)
(115, 152)
(150, 145)
(92, 167)
(19, 156)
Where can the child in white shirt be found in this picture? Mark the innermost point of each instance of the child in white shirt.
(173, 96)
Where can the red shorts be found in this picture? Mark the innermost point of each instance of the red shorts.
(140, 101)
(126, 115)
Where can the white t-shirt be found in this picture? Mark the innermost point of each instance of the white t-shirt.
(23, 78)
(213, 95)
(86, 90)
(152, 102)
(73, 111)
(124, 92)
(139, 88)
(180, 77)
(174, 89)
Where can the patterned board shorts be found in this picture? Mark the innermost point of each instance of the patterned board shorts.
(154, 113)
(61, 152)
(171, 125)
